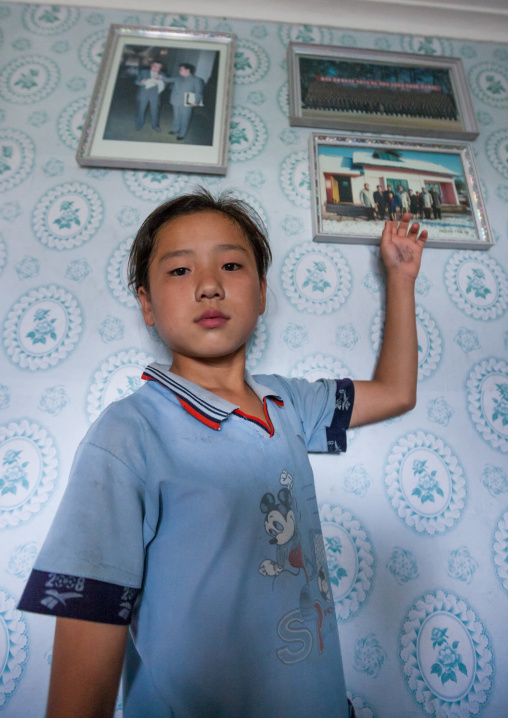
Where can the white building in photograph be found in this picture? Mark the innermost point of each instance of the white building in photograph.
(343, 178)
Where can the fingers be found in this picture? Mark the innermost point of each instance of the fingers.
(414, 228)
(388, 231)
(422, 238)
(415, 234)
(411, 232)
(394, 229)
(404, 224)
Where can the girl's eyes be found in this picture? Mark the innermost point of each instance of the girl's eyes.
(179, 271)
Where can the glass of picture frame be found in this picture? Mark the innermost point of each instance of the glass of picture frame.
(140, 115)
(352, 89)
(358, 182)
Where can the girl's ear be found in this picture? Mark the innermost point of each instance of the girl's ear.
(262, 296)
(146, 306)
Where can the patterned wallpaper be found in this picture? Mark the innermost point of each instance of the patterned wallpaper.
(415, 515)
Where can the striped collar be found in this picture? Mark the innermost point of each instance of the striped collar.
(208, 408)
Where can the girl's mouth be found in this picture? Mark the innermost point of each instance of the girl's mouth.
(212, 319)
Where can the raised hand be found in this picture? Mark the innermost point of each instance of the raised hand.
(402, 246)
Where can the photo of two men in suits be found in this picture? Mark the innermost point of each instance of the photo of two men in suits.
(164, 95)
(186, 93)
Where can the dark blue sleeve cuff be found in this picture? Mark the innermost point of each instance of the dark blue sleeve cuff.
(336, 432)
(57, 594)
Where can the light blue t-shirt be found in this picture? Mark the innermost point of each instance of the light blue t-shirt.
(201, 525)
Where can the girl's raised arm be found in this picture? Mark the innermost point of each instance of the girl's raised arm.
(392, 389)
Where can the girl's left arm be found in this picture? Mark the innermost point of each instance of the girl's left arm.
(392, 390)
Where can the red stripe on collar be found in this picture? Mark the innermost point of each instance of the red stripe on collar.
(203, 419)
(266, 425)
(216, 424)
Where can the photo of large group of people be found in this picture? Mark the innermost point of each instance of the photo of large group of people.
(375, 88)
(392, 202)
(360, 186)
(164, 94)
(396, 93)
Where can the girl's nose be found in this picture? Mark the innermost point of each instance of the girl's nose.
(209, 286)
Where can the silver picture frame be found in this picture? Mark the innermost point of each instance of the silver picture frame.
(357, 90)
(133, 111)
(360, 181)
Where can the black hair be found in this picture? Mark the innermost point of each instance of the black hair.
(156, 60)
(238, 211)
(188, 66)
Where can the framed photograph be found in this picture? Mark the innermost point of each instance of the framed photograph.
(355, 90)
(359, 181)
(162, 101)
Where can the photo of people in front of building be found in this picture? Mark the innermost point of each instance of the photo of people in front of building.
(362, 187)
(165, 95)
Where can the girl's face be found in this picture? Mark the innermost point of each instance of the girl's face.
(205, 293)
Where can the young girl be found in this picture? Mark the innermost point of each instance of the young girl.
(191, 511)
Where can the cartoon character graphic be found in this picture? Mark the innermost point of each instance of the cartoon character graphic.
(324, 588)
(282, 526)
